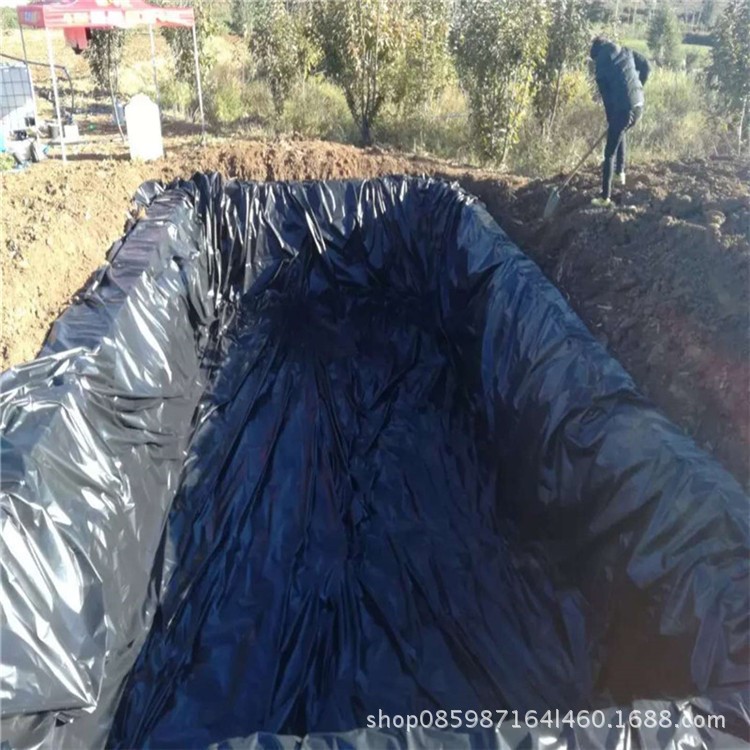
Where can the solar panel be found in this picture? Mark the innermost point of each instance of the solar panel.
(16, 98)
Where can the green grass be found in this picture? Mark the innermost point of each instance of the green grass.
(442, 129)
(318, 109)
(703, 52)
(675, 122)
(639, 45)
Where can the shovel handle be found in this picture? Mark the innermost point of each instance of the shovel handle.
(580, 163)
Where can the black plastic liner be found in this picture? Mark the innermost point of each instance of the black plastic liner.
(308, 453)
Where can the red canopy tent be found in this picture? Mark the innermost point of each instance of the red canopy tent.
(75, 16)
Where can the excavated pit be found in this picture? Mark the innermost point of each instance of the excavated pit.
(308, 452)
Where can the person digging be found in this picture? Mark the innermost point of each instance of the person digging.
(620, 76)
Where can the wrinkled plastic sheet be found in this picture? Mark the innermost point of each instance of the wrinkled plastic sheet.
(303, 453)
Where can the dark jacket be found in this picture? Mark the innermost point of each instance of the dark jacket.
(620, 75)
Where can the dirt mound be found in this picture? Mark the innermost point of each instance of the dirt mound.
(58, 222)
(662, 281)
(299, 161)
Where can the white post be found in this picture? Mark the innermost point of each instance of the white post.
(198, 82)
(51, 56)
(153, 63)
(28, 70)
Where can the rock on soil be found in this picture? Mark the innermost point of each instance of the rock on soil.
(662, 281)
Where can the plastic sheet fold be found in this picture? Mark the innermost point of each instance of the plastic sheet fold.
(304, 453)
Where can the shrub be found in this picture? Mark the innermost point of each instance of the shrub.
(231, 100)
(318, 109)
(176, 96)
(600, 13)
(259, 103)
(692, 62)
(225, 103)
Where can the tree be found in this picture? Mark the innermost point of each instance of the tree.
(730, 64)
(568, 44)
(600, 13)
(425, 64)
(8, 19)
(663, 35)
(104, 55)
(708, 13)
(181, 42)
(239, 17)
(282, 45)
(499, 45)
(362, 41)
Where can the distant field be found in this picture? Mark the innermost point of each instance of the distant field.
(639, 45)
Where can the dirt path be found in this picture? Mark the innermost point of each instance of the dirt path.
(663, 281)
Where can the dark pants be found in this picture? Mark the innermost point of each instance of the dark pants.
(615, 148)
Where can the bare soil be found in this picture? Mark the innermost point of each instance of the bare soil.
(662, 281)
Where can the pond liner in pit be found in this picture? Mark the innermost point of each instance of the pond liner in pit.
(303, 455)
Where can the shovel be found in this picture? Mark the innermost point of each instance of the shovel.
(554, 199)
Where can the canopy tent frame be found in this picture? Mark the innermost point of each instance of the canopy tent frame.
(127, 14)
(28, 68)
